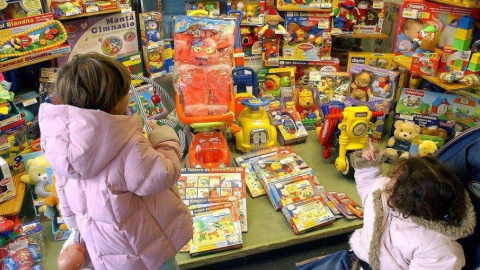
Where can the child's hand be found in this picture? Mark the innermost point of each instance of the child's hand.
(152, 124)
(371, 153)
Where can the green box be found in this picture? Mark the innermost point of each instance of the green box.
(461, 45)
(474, 66)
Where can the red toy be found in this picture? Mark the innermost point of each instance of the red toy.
(209, 150)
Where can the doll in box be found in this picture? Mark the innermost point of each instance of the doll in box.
(343, 17)
(360, 87)
(152, 31)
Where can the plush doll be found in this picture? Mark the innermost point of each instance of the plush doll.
(426, 148)
(272, 26)
(155, 63)
(360, 88)
(382, 87)
(305, 104)
(402, 138)
(343, 17)
(37, 176)
(152, 31)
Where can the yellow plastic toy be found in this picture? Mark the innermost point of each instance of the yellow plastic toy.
(256, 130)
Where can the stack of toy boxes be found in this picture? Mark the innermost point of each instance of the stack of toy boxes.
(133, 61)
(157, 53)
(474, 65)
(357, 17)
(307, 37)
(303, 68)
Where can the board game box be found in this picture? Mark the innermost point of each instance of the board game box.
(201, 186)
(215, 228)
(279, 166)
(246, 161)
(289, 126)
(307, 215)
(292, 190)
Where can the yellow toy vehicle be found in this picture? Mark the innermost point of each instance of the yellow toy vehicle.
(256, 130)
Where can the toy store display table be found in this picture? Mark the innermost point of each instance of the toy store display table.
(13, 206)
(451, 87)
(268, 229)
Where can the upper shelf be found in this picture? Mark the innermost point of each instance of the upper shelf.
(461, 4)
(362, 36)
(451, 87)
(89, 14)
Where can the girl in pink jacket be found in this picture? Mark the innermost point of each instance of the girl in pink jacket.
(116, 186)
(412, 218)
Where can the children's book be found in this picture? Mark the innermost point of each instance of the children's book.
(246, 161)
(292, 190)
(307, 215)
(352, 206)
(215, 228)
(146, 102)
(328, 203)
(205, 186)
(341, 207)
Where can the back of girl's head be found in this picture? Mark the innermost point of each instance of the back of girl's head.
(423, 187)
(93, 81)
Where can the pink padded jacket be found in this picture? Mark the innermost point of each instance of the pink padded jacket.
(117, 186)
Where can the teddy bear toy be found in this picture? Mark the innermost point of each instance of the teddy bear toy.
(305, 105)
(155, 62)
(402, 138)
(360, 88)
(382, 87)
(37, 176)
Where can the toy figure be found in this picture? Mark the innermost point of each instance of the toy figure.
(360, 88)
(155, 62)
(277, 168)
(37, 175)
(360, 12)
(272, 26)
(382, 87)
(250, 11)
(426, 40)
(305, 104)
(343, 17)
(248, 38)
(152, 31)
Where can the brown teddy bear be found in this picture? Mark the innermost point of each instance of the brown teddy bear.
(403, 135)
(360, 88)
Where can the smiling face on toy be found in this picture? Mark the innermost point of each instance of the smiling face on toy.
(204, 50)
(154, 56)
(151, 25)
(426, 148)
(276, 166)
(405, 131)
(363, 79)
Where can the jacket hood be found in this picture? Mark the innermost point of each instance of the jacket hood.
(79, 143)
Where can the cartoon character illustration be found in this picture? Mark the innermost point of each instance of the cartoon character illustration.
(152, 31)
(305, 104)
(277, 168)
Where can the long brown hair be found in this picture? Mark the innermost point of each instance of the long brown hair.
(93, 81)
(423, 187)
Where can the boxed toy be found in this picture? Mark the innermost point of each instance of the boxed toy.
(357, 17)
(453, 60)
(158, 60)
(465, 111)
(417, 15)
(215, 228)
(147, 102)
(304, 99)
(368, 82)
(151, 28)
(14, 142)
(133, 61)
(251, 44)
(292, 190)
(308, 215)
(252, 10)
(95, 5)
(272, 80)
(110, 35)
(425, 64)
(307, 37)
(246, 161)
(342, 208)
(17, 9)
(201, 186)
(303, 68)
(423, 145)
(28, 105)
(10, 114)
(380, 60)
(289, 126)
(7, 188)
(330, 86)
(296, 5)
(65, 8)
(213, 7)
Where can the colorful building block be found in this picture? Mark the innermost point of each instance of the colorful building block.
(460, 44)
(464, 34)
(474, 67)
(465, 22)
(475, 58)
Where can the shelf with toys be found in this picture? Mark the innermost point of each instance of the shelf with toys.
(464, 4)
(90, 14)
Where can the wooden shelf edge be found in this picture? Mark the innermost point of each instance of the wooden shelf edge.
(304, 9)
(24, 64)
(433, 79)
(367, 36)
(108, 11)
(451, 3)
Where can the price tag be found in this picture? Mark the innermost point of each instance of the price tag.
(38, 203)
(324, 24)
(378, 5)
(326, 5)
(410, 13)
(423, 15)
(314, 76)
(29, 102)
(125, 10)
(314, 5)
(91, 9)
(235, 55)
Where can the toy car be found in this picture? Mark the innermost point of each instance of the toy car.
(208, 149)
(256, 130)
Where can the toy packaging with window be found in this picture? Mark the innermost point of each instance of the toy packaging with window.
(65, 8)
(158, 60)
(213, 7)
(203, 61)
(216, 228)
(215, 185)
(14, 143)
(308, 215)
(305, 105)
(246, 161)
(289, 126)
(307, 37)
(419, 18)
(303, 68)
(253, 11)
(369, 82)
(7, 188)
(146, 102)
(453, 60)
(292, 190)
(300, 5)
(423, 145)
(271, 81)
(26, 40)
(110, 35)
(17, 9)
(357, 17)
(151, 29)
(330, 86)
(272, 33)
(465, 111)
